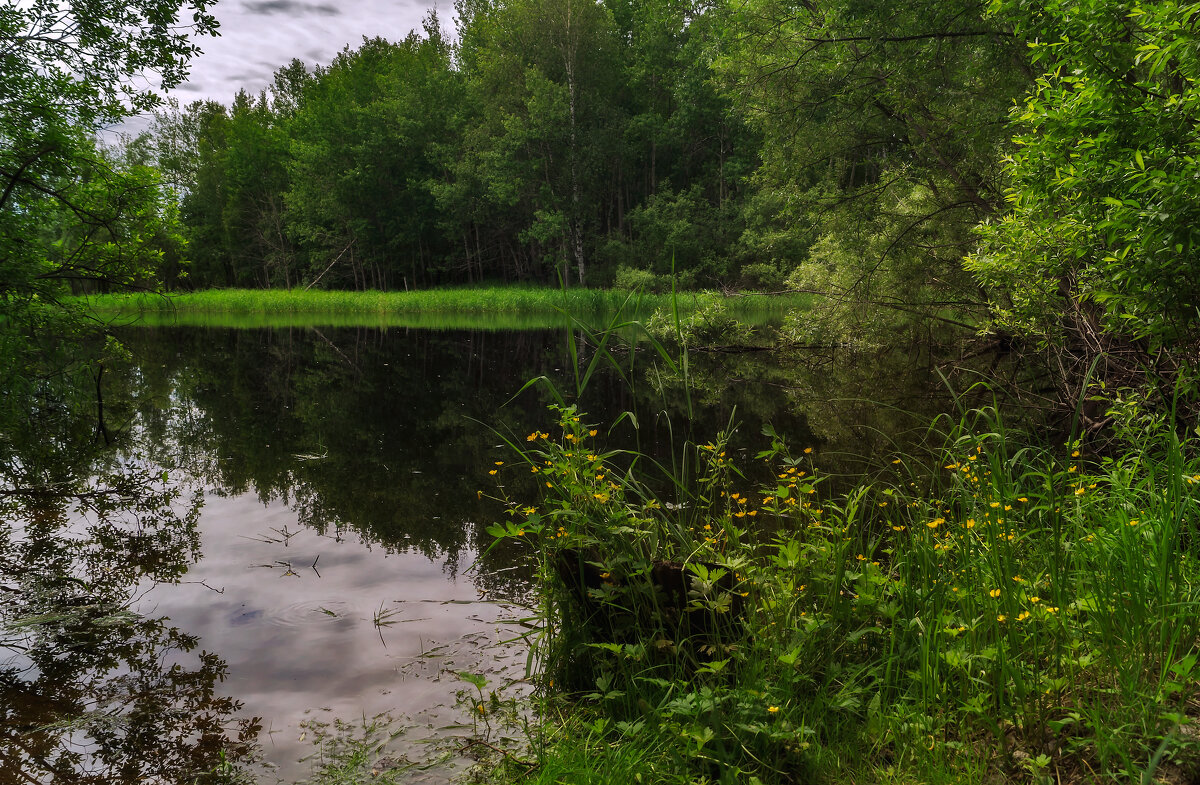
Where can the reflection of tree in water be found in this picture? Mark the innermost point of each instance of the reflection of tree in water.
(388, 432)
(91, 692)
(861, 409)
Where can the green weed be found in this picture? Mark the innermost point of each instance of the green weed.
(1029, 612)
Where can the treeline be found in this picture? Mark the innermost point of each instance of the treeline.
(614, 141)
(553, 139)
(1017, 166)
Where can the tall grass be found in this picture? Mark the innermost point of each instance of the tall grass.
(1026, 612)
(483, 301)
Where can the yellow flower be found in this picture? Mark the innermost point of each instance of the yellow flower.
(1023, 615)
(499, 463)
(773, 709)
(1001, 617)
(808, 450)
(1022, 499)
(1035, 599)
(592, 432)
(970, 524)
(531, 437)
(994, 593)
(936, 522)
(1133, 522)
(493, 471)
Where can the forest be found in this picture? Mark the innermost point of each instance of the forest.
(1021, 169)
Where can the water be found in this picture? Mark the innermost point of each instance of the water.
(317, 551)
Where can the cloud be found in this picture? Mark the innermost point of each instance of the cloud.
(291, 7)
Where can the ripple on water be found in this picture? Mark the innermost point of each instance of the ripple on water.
(305, 613)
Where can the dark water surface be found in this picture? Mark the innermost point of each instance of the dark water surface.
(317, 550)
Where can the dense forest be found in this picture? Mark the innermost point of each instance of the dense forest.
(1033, 159)
(600, 142)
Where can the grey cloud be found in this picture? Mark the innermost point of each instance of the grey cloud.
(293, 7)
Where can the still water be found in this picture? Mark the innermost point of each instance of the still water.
(308, 550)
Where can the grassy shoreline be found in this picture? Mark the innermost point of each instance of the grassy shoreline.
(511, 300)
(1026, 615)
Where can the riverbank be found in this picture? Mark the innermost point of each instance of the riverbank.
(488, 300)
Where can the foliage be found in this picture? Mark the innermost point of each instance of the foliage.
(881, 123)
(69, 214)
(1102, 225)
(552, 141)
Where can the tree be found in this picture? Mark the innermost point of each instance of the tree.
(362, 160)
(542, 78)
(67, 69)
(1105, 219)
(883, 124)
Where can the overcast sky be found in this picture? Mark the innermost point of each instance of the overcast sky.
(259, 36)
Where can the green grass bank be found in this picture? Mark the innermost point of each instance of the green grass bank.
(388, 306)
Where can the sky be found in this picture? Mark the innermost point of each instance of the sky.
(259, 36)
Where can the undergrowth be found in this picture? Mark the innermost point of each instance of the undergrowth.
(1029, 614)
